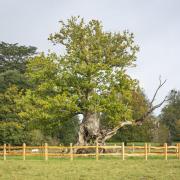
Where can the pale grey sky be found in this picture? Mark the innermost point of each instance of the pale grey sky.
(155, 23)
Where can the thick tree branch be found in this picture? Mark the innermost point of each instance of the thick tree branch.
(107, 134)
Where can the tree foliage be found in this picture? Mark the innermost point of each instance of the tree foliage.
(94, 67)
(8, 107)
(45, 105)
(12, 133)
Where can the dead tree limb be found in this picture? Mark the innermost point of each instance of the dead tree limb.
(151, 106)
(157, 90)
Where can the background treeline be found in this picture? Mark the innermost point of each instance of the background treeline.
(23, 70)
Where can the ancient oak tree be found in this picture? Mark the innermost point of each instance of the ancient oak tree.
(91, 79)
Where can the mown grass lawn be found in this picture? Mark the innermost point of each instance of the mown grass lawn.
(84, 169)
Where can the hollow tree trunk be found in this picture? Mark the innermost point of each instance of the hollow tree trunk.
(89, 129)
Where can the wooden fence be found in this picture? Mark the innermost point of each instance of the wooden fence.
(96, 151)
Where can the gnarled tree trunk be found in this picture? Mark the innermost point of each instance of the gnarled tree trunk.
(89, 129)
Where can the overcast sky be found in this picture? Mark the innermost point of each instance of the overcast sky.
(155, 23)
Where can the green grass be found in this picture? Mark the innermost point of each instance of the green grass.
(86, 168)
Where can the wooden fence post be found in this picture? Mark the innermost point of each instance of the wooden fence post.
(4, 152)
(165, 150)
(133, 147)
(145, 150)
(177, 146)
(179, 151)
(71, 151)
(122, 150)
(9, 148)
(149, 148)
(97, 151)
(24, 151)
(46, 151)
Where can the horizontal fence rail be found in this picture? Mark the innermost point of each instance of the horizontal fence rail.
(96, 151)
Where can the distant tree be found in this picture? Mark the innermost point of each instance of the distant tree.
(14, 56)
(160, 133)
(12, 77)
(177, 130)
(13, 59)
(170, 115)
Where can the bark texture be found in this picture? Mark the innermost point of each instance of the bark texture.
(89, 129)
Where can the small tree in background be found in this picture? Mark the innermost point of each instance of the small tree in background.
(14, 56)
(170, 115)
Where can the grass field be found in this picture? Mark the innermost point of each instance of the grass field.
(84, 169)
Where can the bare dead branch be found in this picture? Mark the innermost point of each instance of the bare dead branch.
(151, 107)
(157, 90)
